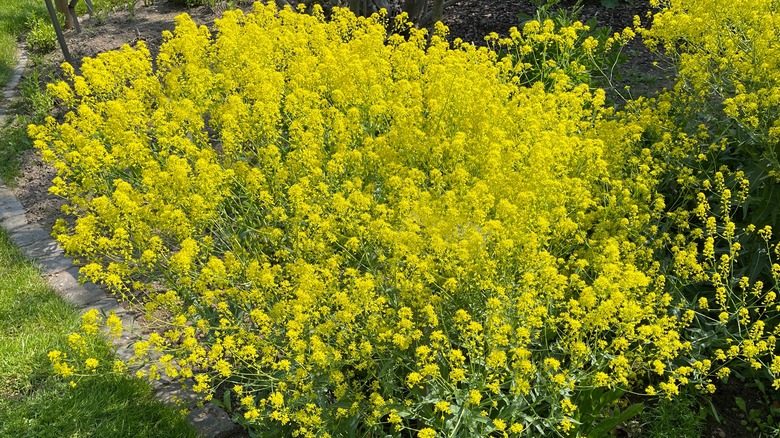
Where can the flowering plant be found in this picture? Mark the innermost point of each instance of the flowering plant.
(350, 232)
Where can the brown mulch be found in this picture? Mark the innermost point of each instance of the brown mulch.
(471, 20)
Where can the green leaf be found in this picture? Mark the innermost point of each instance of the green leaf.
(609, 397)
(610, 4)
(740, 403)
(603, 428)
(226, 401)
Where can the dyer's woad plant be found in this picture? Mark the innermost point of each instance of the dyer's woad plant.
(349, 233)
(714, 140)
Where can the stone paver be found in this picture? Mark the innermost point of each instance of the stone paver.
(105, 305)
(30, 234)
(45, 246)
(10, 91)
(21, 54)
(67, 285)
(12, 223)
(64, 280)
(84, 295)
(36, 244)
(53, 263)
(9, 205)
(212, 421)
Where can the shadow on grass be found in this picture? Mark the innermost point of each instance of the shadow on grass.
(103, 406)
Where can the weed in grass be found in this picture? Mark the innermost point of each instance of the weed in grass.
(36, 102)
(41, 38)
(130, 4)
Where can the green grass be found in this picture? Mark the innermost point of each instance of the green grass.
(13, 142)
(34, 402)
(13, 23)
(33, 107)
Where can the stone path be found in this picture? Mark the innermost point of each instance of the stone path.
(37, 245)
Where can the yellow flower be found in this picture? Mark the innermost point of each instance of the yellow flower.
(442, 406)
(426, 433)
(474, 397)
(91, 364)
(413, 379)
(565, 426)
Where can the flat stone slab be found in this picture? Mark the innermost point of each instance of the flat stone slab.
(173, 391)
(53, 263)
(9, 205)
(16, 222)
(83, 296)
(30, 234)
(41, 248)
(65, 280)
(126, 351)
(105, 305)
(16, 75)
(67, 285)
(211, 421)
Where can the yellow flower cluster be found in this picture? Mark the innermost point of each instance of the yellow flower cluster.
(711, 144)
(360, 230)
(78, 361)
(558, 55)
(727, 51)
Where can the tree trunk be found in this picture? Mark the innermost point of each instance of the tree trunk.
(416, 10)
(62, 7)
(438, 10)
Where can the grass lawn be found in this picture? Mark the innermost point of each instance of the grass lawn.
(13, 142)
(34, 402)
(13, 22)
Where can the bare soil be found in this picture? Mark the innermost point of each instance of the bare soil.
(31, 188)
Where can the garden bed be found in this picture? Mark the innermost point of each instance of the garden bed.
(575, 248)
